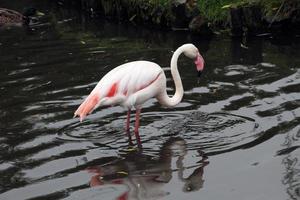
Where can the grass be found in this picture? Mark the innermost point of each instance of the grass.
(216, 11)
(213, 11)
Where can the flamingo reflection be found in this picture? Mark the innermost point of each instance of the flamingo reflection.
(144, 176)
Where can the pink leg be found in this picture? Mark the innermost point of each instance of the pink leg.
(137, 125)
(128, 126)
(128, 120)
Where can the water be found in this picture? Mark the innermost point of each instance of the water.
(234, 136)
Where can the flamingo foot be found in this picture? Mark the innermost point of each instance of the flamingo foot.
(129, 138)
(138, 139)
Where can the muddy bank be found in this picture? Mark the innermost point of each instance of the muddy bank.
(244, 19)
(257, 19)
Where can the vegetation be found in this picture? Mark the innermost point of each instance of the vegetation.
(241, 17)
(216, 11)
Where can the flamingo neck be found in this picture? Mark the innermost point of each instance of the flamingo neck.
(176, 98)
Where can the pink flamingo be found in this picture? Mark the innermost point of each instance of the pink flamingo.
(131, 84)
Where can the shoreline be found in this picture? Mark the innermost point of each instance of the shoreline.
(236, 19)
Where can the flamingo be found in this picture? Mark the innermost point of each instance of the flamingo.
(14, 18)
(132, 84)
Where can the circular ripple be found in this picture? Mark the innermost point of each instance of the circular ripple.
(213, 133)
(100, 132)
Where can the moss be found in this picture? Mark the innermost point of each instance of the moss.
(216, 11)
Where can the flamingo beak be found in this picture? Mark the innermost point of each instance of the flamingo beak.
(199, 74)
(199, 62)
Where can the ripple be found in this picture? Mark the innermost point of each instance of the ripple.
(45, 152)
(291, 80)
(108, 132)
(267, 64)
(215, 132)
(109, 191)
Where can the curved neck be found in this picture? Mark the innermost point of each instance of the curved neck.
(176, 98)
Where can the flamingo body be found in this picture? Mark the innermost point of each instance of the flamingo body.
(131, 84)
(128, 85)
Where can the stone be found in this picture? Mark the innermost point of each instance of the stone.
(252, 16)
(199, 25)
(182, 13)
(236, 21)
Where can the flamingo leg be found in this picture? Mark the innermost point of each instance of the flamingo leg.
(136, 127)
(127, 128)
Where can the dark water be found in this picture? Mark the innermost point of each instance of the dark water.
(234, 136)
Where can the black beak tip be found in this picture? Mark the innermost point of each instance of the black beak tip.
(199, 73)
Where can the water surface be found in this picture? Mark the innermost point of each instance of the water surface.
(234, 136)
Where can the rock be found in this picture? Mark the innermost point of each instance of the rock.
(182, 13)
(252, 16)
(236, 21)
(179, 19)
(199, 25)
(286, 19)
(246, 20)
(295, 19)
(178, 2)
(158, 16)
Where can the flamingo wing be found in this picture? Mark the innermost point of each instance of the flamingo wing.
(119, 85)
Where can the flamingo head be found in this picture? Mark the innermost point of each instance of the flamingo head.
(30, 13)
(192, 52)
